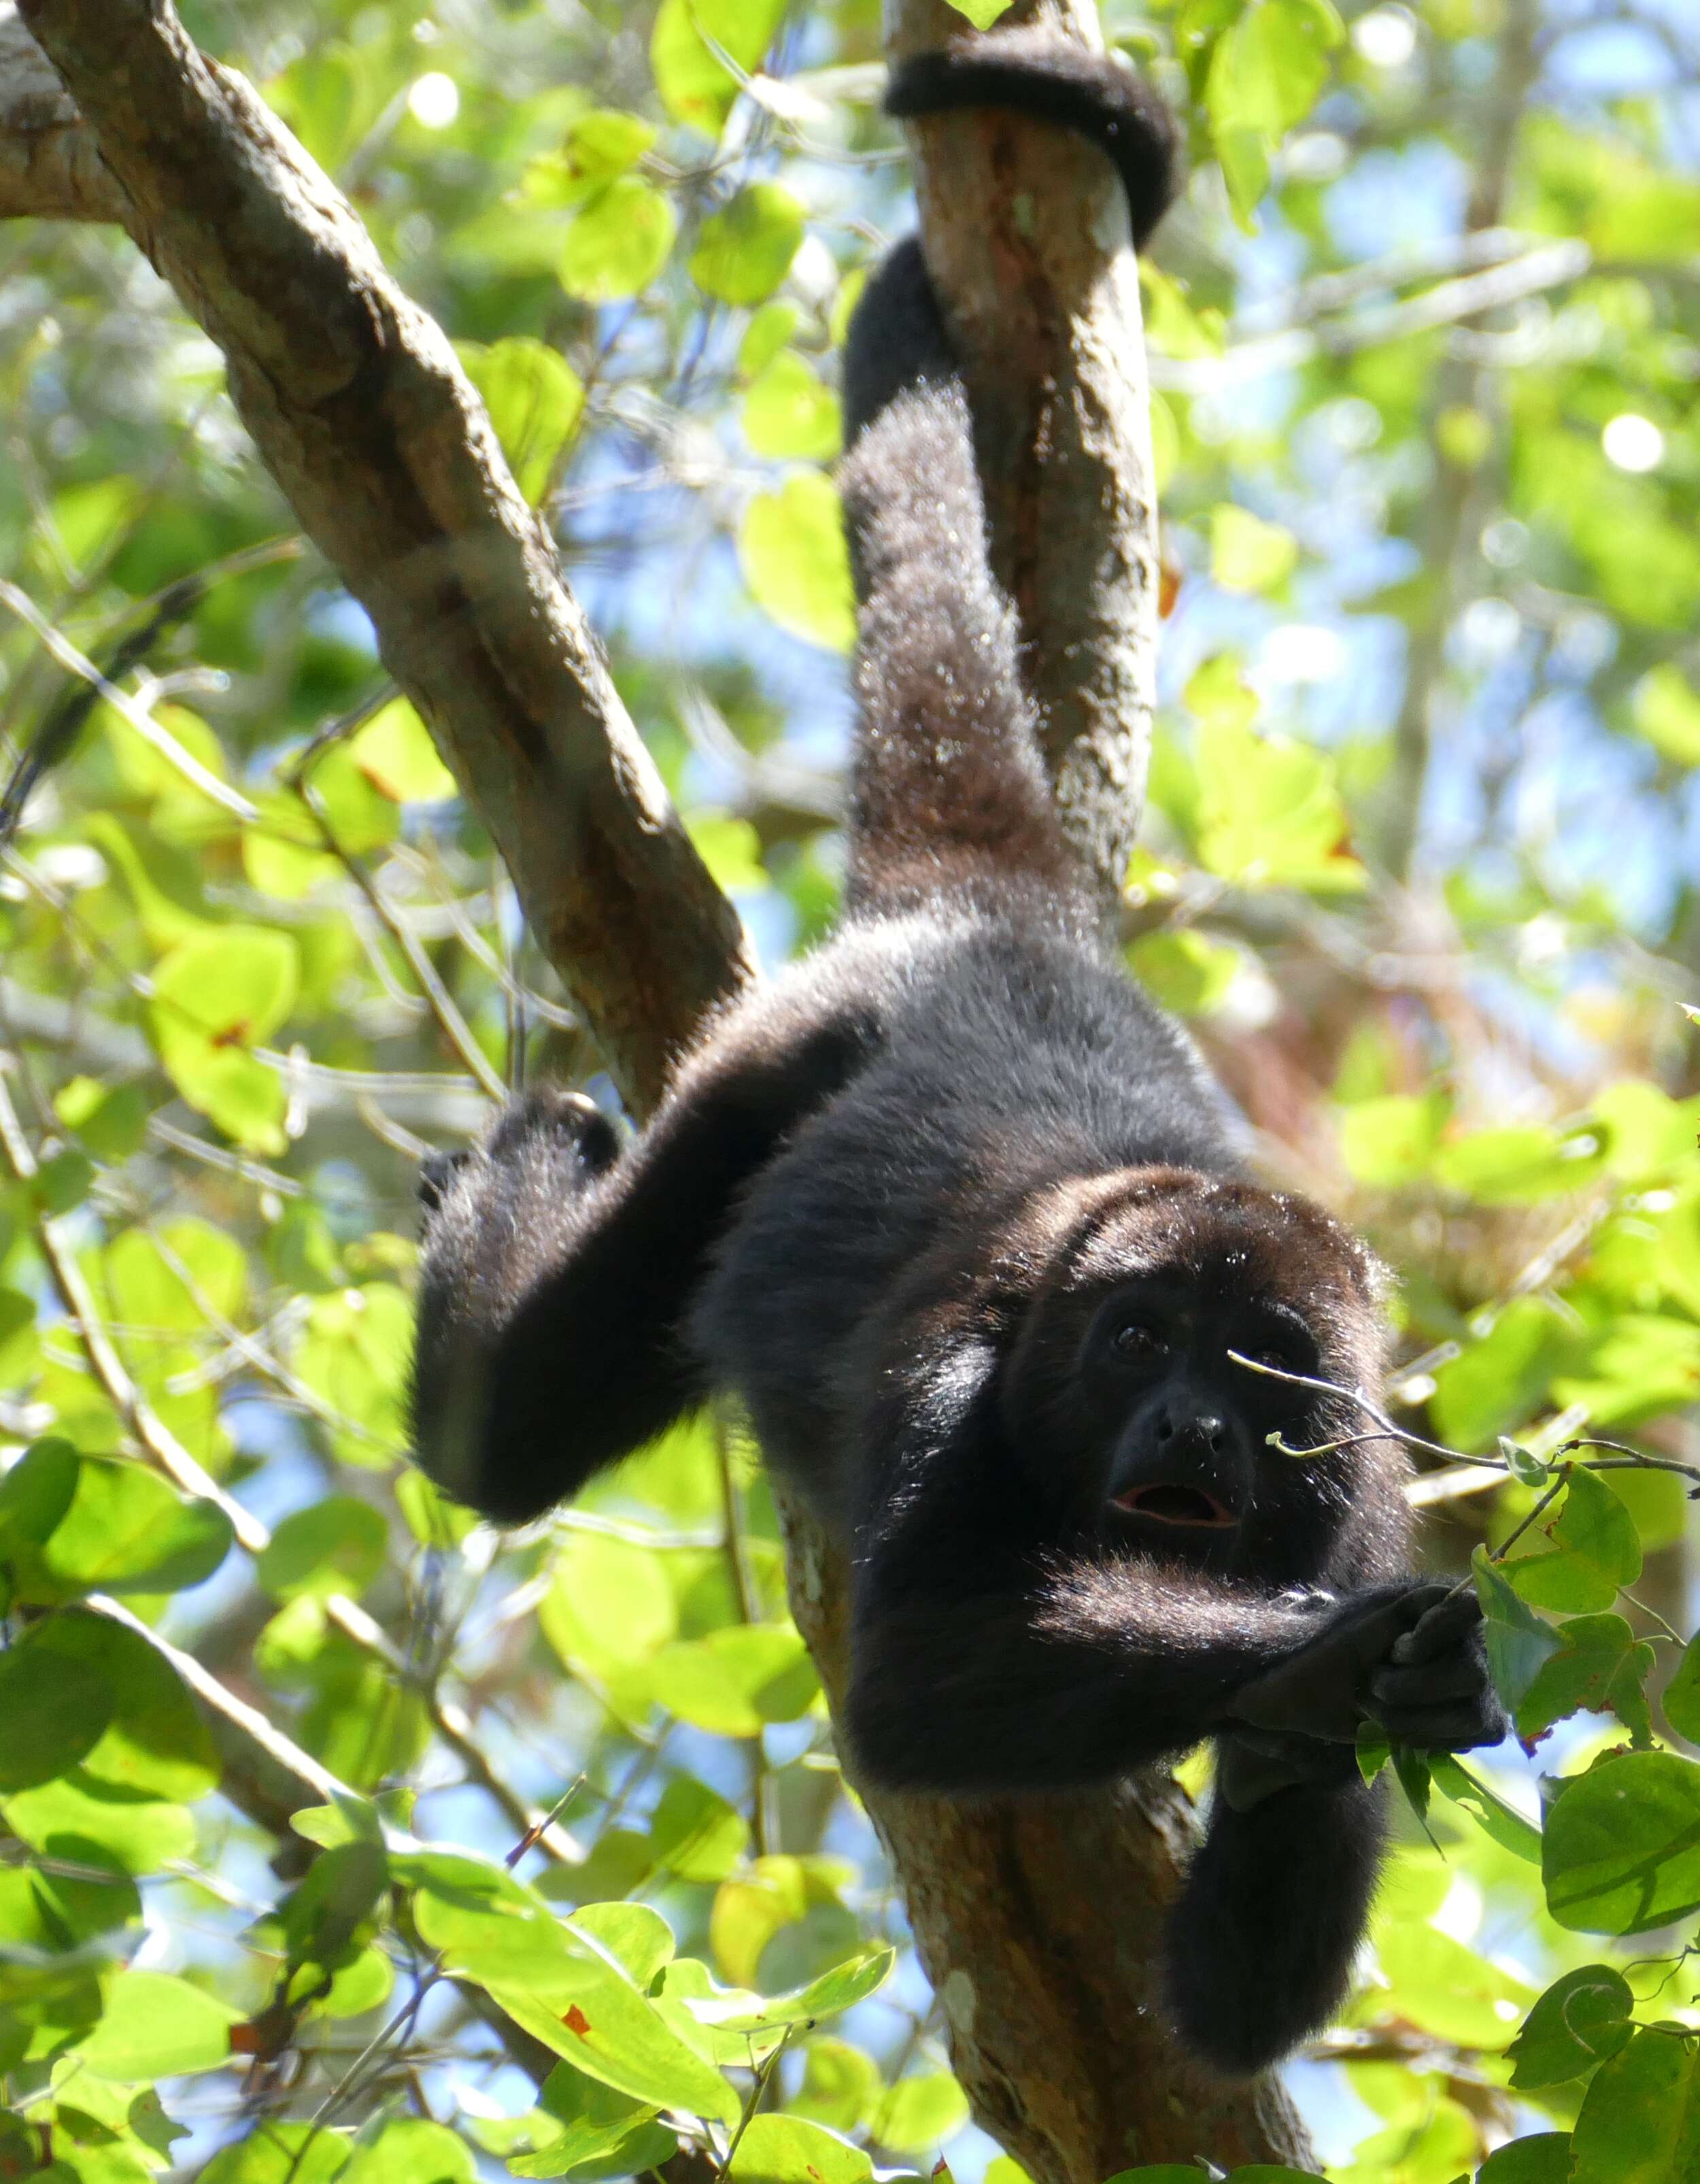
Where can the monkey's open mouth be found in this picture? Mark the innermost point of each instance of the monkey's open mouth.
(1177, 1505)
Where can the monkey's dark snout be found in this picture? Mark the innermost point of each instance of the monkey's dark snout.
(1185, 1475)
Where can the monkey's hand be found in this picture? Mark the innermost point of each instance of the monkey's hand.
(563, 1132)
(1409, 1657)
(1434, 1690)
(496, 1220)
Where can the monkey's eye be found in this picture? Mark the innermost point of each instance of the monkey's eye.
(1135, 1339)
(1278, 1358)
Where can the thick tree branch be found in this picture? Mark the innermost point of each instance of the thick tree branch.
(1039, 1921)
(365, 420)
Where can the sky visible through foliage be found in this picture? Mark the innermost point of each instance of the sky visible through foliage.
(1420, 866)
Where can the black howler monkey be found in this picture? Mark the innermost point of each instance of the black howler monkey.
(958, 1216)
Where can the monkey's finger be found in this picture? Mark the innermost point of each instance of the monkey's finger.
(1451, 1728)
(1429, 1683)
(1441, 1629)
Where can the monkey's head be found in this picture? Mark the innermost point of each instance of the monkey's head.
(1123, 1398)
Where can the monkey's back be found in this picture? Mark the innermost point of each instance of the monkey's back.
(1003, 1055)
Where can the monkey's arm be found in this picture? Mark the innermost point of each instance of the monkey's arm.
(556, 1270)
(983, 1661)
(1262, 1943)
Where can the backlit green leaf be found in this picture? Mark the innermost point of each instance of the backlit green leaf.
(155, 2026)
(744, 250)
(1620, 1854)
(619, 243)
(791, 544)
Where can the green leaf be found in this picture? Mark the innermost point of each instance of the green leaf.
(279, 2153)
(324, 1915)
(1268, 69)
(919, 2113)
(214, 999)
(619, 241)
(1582, 2018)
(1525, 1467)
(1519, 1642)
(21, 1346)
(1391, 1141)
(598, 146)
(36, 1493)
(686, 47)
(787, 2150)
(609, 1604)
(1682, 1694)
(1666, 708)
(1602, 1668)
(487, 1925)
(535, 399)
(1248, 555)
(394, 749)
(840, 2084)
(1542, 2157)
(695, 1832)
(1640, 2120)
(834, 1992)
(338, 1545)
(172, 1276)
(634, 1934)
(601, 2023)
(1620, 1854)
(1519, 1167)
(155, 2026)
(53, 1713)
(592, 2123)
(734, 1680)
(128, 1531)
(64, 1818)
(1186, 971)
(155, 1743)
(791, 545)
(1596, 1551)
(768, 331)
(1502, 1822)
(744, 250)
(1270, 814)
(787, 411)
(411, 2150)
(982, 13)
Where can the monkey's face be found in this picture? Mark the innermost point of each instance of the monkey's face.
(1125, 1399)
(1184, 1427)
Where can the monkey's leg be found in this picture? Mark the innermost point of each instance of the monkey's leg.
(556, 1272)
(1262, 1941)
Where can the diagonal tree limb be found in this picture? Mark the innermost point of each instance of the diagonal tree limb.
(1039, 1922)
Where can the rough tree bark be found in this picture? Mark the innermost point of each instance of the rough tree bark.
(1038, 1921)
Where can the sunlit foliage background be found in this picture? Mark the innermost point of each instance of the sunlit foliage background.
(1420, 865)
